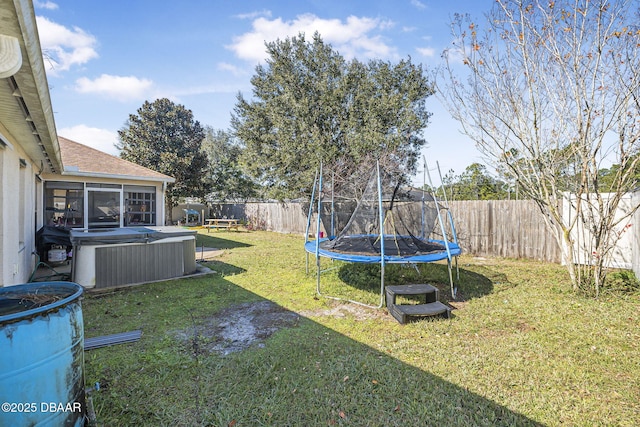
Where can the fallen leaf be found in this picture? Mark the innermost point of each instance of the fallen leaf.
(397, 408)
(232, 423)
(342, 415)
(345, 379)
(375, 381)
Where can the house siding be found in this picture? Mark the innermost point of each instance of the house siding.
(18, 203)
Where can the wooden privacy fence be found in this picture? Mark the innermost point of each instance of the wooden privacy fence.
(279, 217)
(506, 228)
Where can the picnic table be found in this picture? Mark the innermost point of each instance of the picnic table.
(216, 223)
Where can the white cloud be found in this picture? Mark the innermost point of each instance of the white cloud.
(45, 5)
(418, 4)
(352, 38)
(255, 14)
(426, 51)
(63, 47)
(100, 139)
(387, 24)
(121, 88)
(236, 71)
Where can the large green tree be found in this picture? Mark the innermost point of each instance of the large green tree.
(310, 105)
(225, 180)
(474, 183)
(608, 177)
(164, 137)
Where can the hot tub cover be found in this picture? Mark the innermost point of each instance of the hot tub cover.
(101, 236)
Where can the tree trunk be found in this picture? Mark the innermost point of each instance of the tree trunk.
(566, 247)
(168, 209)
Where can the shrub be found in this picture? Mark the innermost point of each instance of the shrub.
(622, 281)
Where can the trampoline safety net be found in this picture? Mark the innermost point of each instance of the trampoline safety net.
(409, 219)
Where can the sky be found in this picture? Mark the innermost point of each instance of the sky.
(104, 59)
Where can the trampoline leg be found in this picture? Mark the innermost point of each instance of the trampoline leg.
(453, 289)
(381, 286)
(415, 266)
(318, 276)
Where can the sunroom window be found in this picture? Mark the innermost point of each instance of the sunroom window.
(64, 204)
(140, 203)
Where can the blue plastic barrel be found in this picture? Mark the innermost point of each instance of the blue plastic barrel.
(42, 355)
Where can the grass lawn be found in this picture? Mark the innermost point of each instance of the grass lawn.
(521, 349)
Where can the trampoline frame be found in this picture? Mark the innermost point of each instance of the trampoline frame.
(389, 259)
(451, 248)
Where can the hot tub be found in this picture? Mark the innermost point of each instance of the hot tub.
(107, 257)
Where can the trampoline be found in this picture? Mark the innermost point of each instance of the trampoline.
(385, 225)
(437, 252)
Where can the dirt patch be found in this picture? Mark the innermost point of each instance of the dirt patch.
(241, 326)
(238, 327)
(344, 310)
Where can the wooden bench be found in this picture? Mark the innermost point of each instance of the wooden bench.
(221, 223)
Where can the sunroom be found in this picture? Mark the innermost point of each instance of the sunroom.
(97, 190)
(115, 212)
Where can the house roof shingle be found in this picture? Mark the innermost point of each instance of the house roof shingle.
(81, 160)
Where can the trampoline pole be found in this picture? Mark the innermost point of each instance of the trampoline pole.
(445, 238)
(446, 202)
(313, 196)
(318, 231)
(381, 219)
(423, 233)
(333, 233)
(453, 228)
(454, 290)
(442, 187)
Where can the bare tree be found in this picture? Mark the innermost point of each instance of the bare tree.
(550, 94)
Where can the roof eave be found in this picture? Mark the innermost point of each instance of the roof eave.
(34, 90)
(168, 180)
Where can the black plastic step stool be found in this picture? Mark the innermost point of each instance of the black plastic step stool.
(405, 312)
